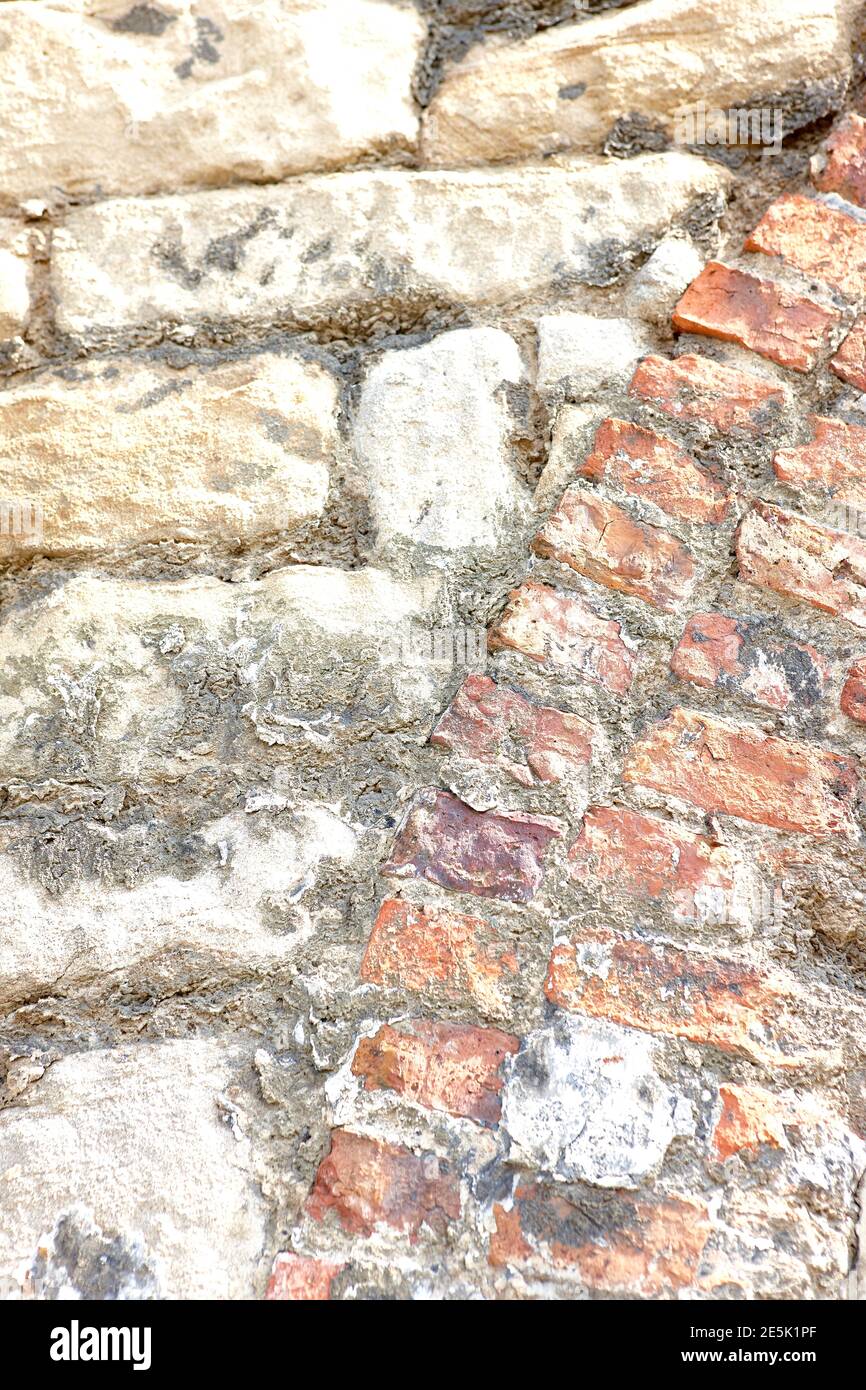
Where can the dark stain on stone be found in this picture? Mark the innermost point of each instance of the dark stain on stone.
(95, 1264)
(227, 252)
(143, 19)
(159, 393)
(317, 251)
(572, 91)
(207, 35)
(582, 1218)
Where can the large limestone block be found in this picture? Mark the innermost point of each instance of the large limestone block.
(123, 453)
(242, 915)
(344, 248)
(113, 680)
(434, 437)
(566, 87)
(107, 96)
(120, 1178)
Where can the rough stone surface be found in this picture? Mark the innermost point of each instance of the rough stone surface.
(346, 250)
(583, 1102)
(130, 1145)
(15, 280)
(567, 87)
(446, 406)
(581, 356)
(182, 94)
(129, 454)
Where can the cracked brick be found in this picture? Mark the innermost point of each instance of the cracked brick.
(757, 314)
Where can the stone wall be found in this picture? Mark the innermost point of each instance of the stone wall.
(433, 609)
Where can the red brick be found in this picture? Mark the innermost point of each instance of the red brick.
(842, 169)
(750, 1117)
(660, 989)
(697, 389)
(444, 1066)
(849, 363)
(739, 655)
(648, 857)
(798, 558)
(729, 304)
(744, 773)
(496, 854)
(602, 542)
(299, 1278)
(492, 724)
(818, 240)
(834, 459)
(648, 465)
(441, 953)
(367, 1184)
(853, 699)
(561, 631)
(614, 1242)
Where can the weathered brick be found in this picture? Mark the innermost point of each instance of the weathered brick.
(433, 951)
(749, 1118)
(612, 1241)
(729, 304)
(748, 774)
(695, 388)
(490, 723)
(562, 631)
(816, 239)
(648, 857)
(660, 989)
(368, 1183)
(301, 1278)
(794, 556)
(841, 167)
(834, 458)
(849, 360)
(853, 698)
(742, 656)
(495, 854)
(444, 1066)
(649, 466)
(602, 542)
